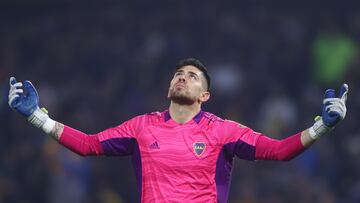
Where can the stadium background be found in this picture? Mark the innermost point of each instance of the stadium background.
(96, 64)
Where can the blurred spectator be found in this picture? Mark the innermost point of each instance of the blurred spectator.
(278, 113)
(70, 175)
(333, 54)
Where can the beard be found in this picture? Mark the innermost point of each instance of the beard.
(181, 97)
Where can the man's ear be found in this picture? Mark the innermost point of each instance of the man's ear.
(205, 96)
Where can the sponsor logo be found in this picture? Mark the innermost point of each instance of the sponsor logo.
(199, 148)
(154, 145)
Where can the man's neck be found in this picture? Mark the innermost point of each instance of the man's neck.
(183, 113)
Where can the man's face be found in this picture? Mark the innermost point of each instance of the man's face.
(188, 86)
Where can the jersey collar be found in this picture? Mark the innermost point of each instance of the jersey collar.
(196, 118)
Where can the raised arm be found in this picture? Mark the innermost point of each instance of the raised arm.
(119, 141)
(24, 99)
(333, 111)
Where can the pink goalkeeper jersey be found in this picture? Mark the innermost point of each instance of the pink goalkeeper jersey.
(174, 162)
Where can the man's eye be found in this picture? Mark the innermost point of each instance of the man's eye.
(193, 76)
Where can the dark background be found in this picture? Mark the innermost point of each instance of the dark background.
(96, 64)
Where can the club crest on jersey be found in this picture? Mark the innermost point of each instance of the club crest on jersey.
(199, 148)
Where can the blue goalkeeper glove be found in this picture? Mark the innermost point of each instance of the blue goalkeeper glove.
(24, 104)
(24, 99)
(333, 111)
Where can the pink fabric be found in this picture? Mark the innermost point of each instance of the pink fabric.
(80, 142)
(189, 162)
(283, 150)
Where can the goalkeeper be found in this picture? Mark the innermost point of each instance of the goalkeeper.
(183, 153)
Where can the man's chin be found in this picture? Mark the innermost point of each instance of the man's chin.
(182, 100)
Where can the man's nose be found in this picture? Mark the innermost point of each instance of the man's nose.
(182, 78)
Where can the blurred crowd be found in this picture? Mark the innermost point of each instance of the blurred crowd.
(98, 65)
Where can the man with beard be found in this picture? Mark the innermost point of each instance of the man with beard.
(184, 153)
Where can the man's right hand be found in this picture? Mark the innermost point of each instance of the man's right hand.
(23, 97)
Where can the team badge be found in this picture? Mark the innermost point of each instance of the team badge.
(199, 148)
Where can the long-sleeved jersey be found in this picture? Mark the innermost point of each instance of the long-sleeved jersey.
(190, 162)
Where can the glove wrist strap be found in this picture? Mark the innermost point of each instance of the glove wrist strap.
(40, 119)
(318, 129)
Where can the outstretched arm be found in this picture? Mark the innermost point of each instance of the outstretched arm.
(119, 140)
(24, 99)
(334, 110)
(282, 150)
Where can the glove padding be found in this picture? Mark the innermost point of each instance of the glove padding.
(26, 102)
(334, 110)
(23, 102)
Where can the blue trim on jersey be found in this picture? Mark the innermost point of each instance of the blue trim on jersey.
(166, 116)
(223, 170)
(196, 118)
(136, 161)
(118, 146)
(241, 149)
(224, 165)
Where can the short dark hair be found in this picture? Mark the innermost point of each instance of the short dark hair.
(196, 63)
